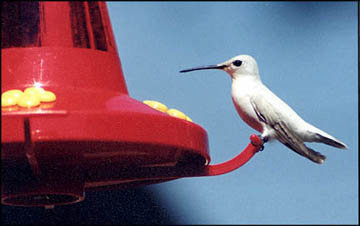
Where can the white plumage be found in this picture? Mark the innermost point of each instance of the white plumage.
(265, 112)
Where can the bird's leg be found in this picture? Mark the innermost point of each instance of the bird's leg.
(264, 139)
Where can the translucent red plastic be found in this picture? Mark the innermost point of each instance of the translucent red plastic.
(94, 136)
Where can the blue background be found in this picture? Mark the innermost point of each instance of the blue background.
(307, 55)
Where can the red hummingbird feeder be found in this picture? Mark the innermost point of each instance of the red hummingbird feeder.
(94, 135)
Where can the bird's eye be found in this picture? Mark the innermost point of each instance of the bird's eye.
(237, 63)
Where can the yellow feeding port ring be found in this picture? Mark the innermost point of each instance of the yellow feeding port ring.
(163, 108)
(31, 97)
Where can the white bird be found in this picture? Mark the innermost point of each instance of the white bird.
(265, 112)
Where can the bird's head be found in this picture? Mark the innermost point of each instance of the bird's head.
(236, 67)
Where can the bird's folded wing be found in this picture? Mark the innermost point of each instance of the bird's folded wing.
(269, 114)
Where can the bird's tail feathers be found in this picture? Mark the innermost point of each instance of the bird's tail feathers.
(330, 140)
(317, 135)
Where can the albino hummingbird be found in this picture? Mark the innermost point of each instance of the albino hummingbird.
(265, 112)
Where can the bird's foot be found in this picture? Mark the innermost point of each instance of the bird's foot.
(263, 139)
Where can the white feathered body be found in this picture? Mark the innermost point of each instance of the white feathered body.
(247, 88)
(265, 112)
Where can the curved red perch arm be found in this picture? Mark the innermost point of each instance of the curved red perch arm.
(228, 166)
(210, 170)
(171, 172)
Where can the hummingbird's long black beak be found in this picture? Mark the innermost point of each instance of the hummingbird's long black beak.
(204, 68)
